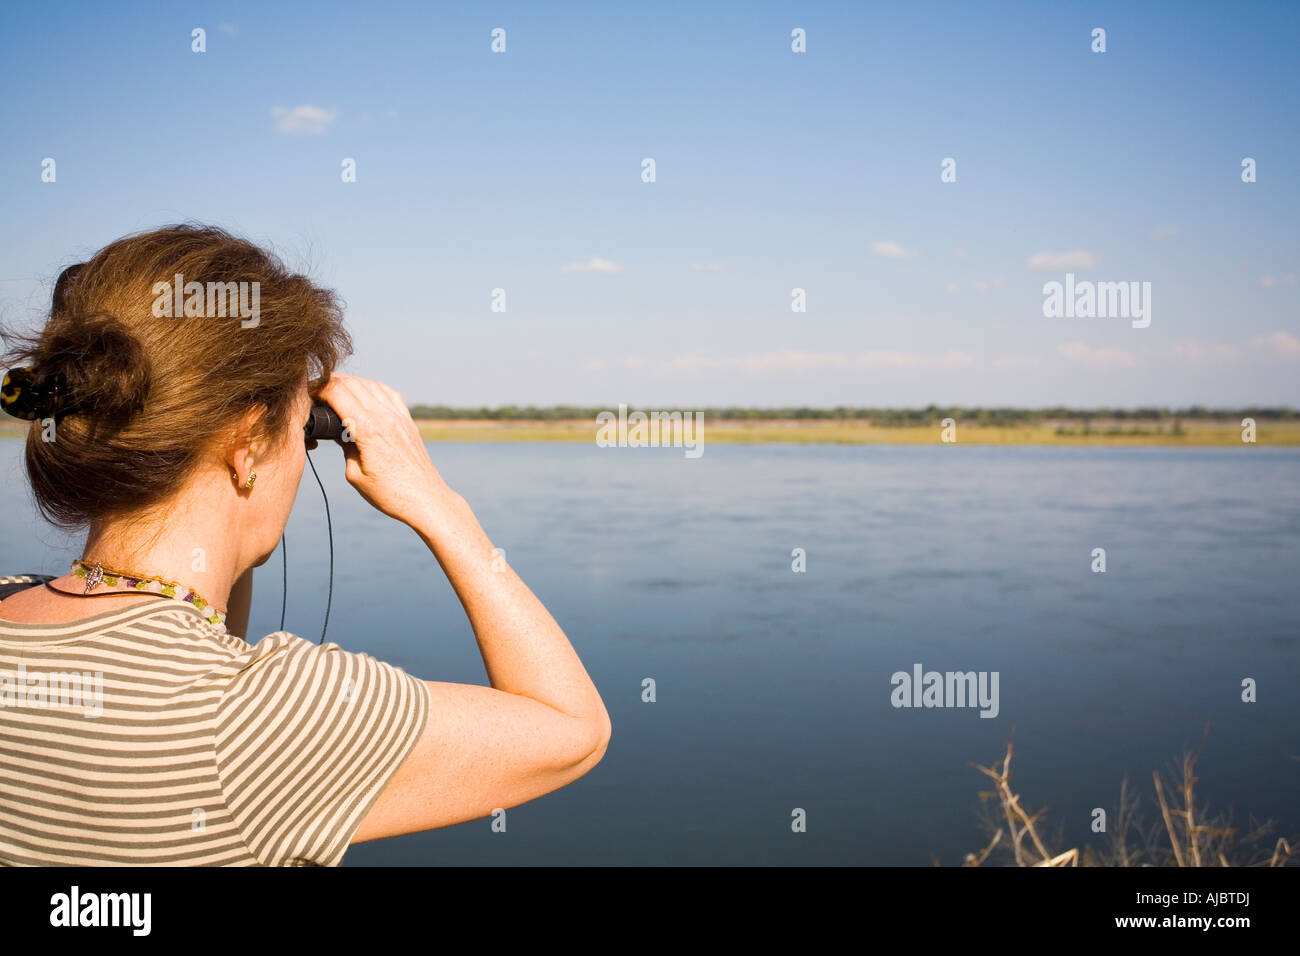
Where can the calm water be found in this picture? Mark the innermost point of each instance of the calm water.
(774, 687)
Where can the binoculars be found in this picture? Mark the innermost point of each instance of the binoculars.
(323, 424)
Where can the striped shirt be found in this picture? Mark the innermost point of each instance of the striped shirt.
(145, 736)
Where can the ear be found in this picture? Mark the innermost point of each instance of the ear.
(247, 446)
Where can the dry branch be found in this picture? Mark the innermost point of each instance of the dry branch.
(1195, 838)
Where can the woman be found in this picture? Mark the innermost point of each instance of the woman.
(140, 727)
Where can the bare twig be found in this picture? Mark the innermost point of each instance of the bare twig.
(1196, 837)
(1188, 812)
(1169, 823)
(1019, 822)
(1068, 858)
(1281, 853)
(975, 859)
(1124, 814)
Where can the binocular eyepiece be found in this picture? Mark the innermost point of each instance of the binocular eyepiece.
(323, 424)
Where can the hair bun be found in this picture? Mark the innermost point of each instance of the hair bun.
(105, 370)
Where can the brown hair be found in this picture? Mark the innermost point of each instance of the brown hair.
(145, 394)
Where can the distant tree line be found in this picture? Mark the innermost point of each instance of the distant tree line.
(884, 417)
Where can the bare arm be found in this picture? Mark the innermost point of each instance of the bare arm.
(524, 650)
(542, 723)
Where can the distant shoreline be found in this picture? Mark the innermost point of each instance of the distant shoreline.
(831, 431)
(1131, 434)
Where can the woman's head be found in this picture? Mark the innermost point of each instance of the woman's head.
(155, 396)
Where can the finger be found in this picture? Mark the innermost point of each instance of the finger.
(352, 464)
(338, 394)
(348, 399)
(346, 386)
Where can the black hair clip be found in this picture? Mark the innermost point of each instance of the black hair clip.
(24, 396)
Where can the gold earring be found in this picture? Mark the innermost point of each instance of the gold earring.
(251, 478)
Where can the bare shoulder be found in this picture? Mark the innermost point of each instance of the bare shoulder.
(41, 605)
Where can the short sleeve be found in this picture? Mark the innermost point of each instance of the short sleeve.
(306, 738)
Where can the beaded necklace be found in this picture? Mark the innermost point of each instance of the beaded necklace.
(97, 574)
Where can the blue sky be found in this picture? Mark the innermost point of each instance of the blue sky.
(775, 170)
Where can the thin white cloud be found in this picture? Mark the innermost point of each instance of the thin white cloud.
(302, 120)
(706, 266)
(795, 360)
(959, 252)
(951, 287)
(1269, 282)
(1194, 351)
(594, 264)
(1161, 233)
(989, 285)
(788, 360)
(1060, 261)
(229, 29)
(888, 249)
(1281, 344)
(1099, 357)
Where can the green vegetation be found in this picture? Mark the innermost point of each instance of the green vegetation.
(878, 417)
